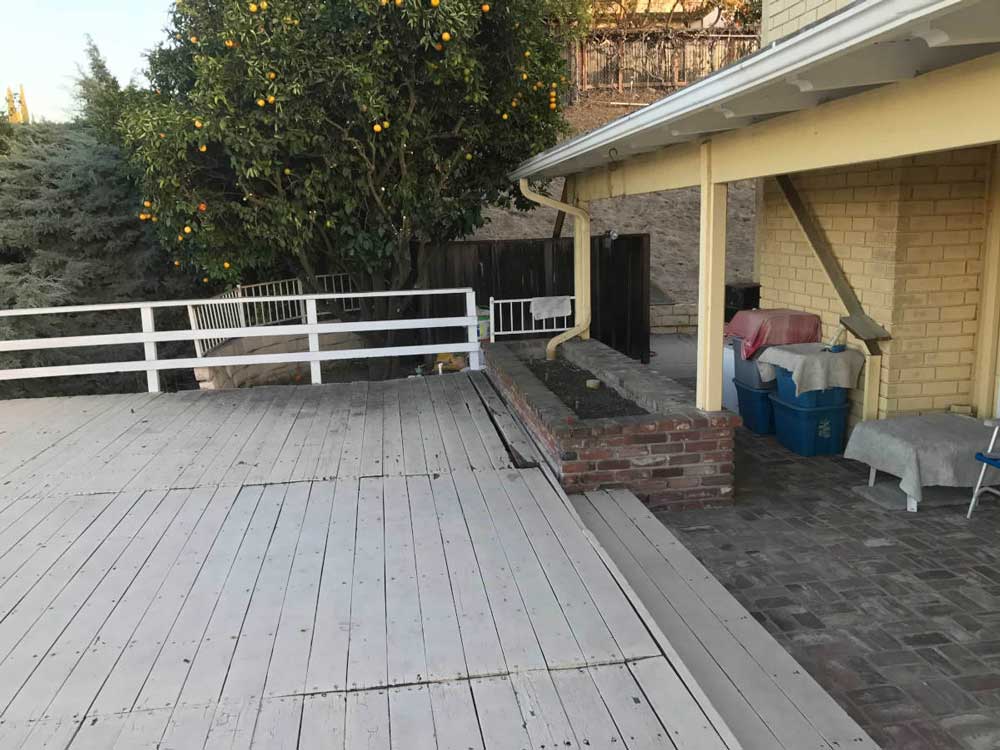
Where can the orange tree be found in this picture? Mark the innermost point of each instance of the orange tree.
(340, 135)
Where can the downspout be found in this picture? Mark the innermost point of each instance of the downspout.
(581, 265)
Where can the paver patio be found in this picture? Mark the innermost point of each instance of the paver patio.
(896, 614)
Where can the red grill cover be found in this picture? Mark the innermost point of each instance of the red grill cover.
(760, 328)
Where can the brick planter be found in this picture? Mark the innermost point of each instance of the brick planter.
(676, 457)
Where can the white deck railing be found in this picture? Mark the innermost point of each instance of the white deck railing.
(512, 317)
(149, 337)
(263, 313)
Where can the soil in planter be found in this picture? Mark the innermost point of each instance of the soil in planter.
(569, 383)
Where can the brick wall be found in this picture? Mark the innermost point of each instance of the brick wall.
(680, 317)
(909, 235)
(783, 17)
(677, 460)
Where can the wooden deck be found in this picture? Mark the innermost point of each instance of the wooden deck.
(343, 566)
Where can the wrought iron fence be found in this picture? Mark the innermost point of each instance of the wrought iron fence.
(653, 59)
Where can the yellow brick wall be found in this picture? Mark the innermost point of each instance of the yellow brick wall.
(783, 17)
(909, 235)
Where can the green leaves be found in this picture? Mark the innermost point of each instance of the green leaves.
(296, 171)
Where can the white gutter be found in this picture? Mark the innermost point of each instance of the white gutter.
(581, 265)
(851, 28)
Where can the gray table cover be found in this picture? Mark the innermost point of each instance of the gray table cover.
(812, 367)
(932, 450)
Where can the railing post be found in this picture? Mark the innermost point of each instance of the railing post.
(152, 376)
(239, 306)
(470, 310)
(312, 318)
(493, 337)
(199, 349)
(305, 316)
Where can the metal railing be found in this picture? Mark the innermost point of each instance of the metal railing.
(149, 337)
(610, 59)
(512, 317)
(258, 312)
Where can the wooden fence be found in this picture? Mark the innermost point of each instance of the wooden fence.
(653, 59)
(517, 269)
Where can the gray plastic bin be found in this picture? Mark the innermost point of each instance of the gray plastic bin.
(746, 369)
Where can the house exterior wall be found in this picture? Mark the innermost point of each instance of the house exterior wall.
(782, 17)
(909, 233)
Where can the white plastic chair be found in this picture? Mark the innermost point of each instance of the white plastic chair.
(988, 460)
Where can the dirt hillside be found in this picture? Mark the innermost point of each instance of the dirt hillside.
(670, 218)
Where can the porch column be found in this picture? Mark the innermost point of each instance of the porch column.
(986, 376)
(711, 285)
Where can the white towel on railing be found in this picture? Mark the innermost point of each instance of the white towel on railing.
(543, 308)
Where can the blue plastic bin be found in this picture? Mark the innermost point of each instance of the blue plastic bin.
(810, 400)
(755, 408)
(819, 431)
(746, 369)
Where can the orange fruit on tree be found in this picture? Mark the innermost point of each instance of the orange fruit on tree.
(163, 135)
(504, 116)
(524, 76)
(439, 47)
(230, 43)
(203, 148)
(446, 37)
(385, 124)
(153, 219)
(203, 207)
(263, 4)
(194, 40)
(377, 127)
(271, 75)
(271, 99)
(288, 171)
(261, 102)
(147, 204)
(527, 53)
(252, 7)
(177, 264)
(187, 230)
(468, 157)
(552, 105)
(204, 279)
(198, 124)
(226, 265)
(485, 7)
(180, 238)
(435, 3)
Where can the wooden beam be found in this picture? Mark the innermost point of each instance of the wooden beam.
(937, 111)
(873, 380)
(985, 383)
(561, 215)
(666, 169)
(857, 321)
(711, 286)
(941, 110)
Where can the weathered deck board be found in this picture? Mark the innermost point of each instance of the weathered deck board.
(349, 566)
(767, 699)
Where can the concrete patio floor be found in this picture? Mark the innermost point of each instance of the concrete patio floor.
(897, 615)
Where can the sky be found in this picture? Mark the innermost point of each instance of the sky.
(43, 43)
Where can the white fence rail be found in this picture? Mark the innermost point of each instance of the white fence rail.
(512, 317)
(149, 337)
(259, 312)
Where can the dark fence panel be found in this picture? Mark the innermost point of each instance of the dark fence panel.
(543, 268)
